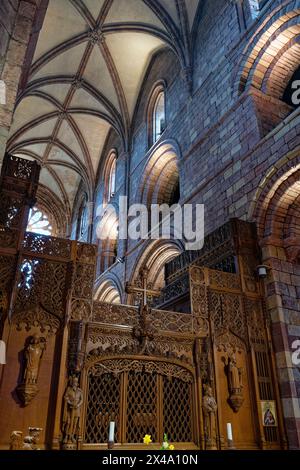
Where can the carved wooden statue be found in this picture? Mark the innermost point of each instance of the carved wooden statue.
(16, 440)
(30, 442)
(144, 332)
(73, 399)
(235, 385)
(33, 353)
(209, 406)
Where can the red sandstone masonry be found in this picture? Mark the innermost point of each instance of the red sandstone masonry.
(229, 146)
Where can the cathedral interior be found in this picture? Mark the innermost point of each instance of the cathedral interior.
(106, 339)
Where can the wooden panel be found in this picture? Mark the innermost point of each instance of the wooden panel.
(141, 402)
(243, 425)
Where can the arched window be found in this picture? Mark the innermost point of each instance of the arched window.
(255, 7)
(110, 176)
(112, 180)
(107, 232)
(81, 219)
(156, 114)
(39, 222)
(159, 118)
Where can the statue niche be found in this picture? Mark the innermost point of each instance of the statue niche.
(73, 400)
(33, 353)
(234, 379)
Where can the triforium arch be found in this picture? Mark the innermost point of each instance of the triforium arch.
(108, 289)
(107, 231)
(156, 254)
(161, 175)
(276, 211)
(138, 393)
(274, 44)
(275, 204)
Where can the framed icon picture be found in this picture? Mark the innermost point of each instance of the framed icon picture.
(269, 416)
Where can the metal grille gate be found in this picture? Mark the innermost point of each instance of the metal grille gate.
(140, 403)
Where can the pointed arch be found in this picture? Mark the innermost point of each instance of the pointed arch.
(108, 289)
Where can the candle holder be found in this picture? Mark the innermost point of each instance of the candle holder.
(110, 445)
(111, 435)
(230, 444)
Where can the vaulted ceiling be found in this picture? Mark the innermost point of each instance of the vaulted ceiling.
(88, 67)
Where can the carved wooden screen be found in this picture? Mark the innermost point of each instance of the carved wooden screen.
(177, 401)
(140, 402)
(259, 341)
(104, 395)
(142, 406)
(265, 386)
(232, 313)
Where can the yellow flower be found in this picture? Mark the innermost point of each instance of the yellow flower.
(171, 447)
(147, 439)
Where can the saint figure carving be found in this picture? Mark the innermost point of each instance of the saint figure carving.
(235, 384)
(209, 406)
(234, 375)
(33, 354)
(73, 399)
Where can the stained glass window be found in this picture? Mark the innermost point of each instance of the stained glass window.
(112, 180)
(38, 222)
(254, 8)
(159, 119)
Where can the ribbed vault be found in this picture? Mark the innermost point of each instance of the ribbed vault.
(89, 63)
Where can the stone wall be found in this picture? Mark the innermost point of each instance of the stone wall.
(283, 295)
(226, 140)
(231, 134)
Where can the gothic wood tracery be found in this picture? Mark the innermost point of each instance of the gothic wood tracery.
(155, 395)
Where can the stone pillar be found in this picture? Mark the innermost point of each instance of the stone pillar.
(283, 294)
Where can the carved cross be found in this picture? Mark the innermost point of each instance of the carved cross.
(141, 288)
(144, 333)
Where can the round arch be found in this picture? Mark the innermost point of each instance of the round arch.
(107, 230)
(109, 290)
(275, 207)
(275, 42)
(161, 175)
(154, 257)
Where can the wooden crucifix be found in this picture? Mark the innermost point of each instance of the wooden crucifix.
(141, 288)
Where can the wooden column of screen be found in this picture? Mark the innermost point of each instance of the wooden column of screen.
(123, 407)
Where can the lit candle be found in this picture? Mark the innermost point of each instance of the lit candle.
(229, 432)
(2, 352)
(111, 434)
